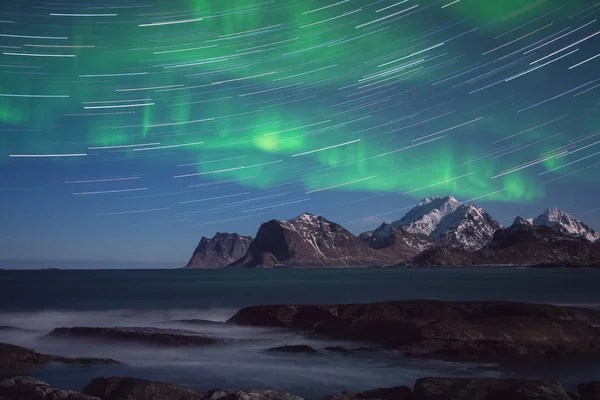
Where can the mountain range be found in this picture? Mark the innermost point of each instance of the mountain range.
(438, 231)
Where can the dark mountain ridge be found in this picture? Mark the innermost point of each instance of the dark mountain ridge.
(438, 231)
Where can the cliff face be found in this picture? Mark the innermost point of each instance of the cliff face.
(220, 251)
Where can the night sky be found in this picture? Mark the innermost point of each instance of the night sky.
(129, 129)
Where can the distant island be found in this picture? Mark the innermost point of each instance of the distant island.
(438, 231)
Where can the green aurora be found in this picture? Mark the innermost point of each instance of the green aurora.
(268, 80)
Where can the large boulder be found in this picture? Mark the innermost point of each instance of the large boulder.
(589, 391)
(26, 388)
(19, 358)
(252, 394)
(481, 330)
(138, 389)
(487, 389)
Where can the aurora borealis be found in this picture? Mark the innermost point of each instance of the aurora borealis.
(125, 125)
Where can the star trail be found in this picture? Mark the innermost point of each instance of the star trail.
(351, 109)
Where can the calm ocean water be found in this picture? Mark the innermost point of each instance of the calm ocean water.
(39, 301)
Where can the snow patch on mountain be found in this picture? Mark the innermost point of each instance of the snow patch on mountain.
(522, 222)
(310, 227)
(562, 222)
(443, 219)
(425, 217)
(469, 228)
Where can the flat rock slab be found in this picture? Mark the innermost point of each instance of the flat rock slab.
(481, 330)
(394, 393)
(26, 388)
(9, 328)
(14, 358)
(293, 349)
(487, 389)
(155, 336)
(195, 321)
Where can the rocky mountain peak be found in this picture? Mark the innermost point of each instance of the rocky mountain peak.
(427, 214)
(469, 227)
(438, 200)
(562, 222)
(520, 221)
(306, 240)
(442, 219)
(307, 218)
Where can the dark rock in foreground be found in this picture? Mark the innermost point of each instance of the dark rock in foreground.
(488, 330)
(138, 389)
(589, 391)
(155, 336)
(487, 389)
(26, 388)
(294, 349)
(343, 350)
(8, 328)
(17, 358)
(195, 321)
(395, 393)
(252, 394)
(338, 349)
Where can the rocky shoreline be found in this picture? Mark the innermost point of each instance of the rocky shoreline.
(14, 358)
(460, 331)
(466, 331)
(116, 388)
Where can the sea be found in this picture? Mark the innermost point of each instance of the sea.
(37, 301)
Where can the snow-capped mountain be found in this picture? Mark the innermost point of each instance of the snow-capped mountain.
(425, 217)
(521, 222)
(445, 220)
(468, 227)
(521, 244)
(221, 250)
(437, 231)
(306, 240)
(565, 223)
